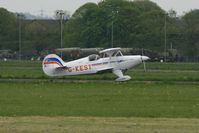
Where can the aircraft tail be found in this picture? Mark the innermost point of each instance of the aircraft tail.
(51, 63)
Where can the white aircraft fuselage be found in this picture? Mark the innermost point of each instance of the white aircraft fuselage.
(55, 66)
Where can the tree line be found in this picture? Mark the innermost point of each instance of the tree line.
(36, 35)
(118, 23)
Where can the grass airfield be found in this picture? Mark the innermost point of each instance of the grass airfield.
(163, 99)
(38, 124)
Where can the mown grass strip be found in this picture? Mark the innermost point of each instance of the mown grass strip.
(40, 124)
(106, 99)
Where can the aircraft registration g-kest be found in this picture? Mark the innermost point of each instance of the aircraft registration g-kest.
(111, 60)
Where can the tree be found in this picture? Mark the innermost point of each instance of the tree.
(8, 30)
(41, 35)
(134, 24)
(191, 29)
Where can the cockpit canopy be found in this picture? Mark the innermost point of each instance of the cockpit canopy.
(118, 53)
(114, 54)
(93, 57)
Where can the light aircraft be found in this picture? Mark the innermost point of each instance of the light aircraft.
(110, 60)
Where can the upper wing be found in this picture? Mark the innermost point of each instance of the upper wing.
(110, 51)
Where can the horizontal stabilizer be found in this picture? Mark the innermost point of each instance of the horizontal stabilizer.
(62, 68)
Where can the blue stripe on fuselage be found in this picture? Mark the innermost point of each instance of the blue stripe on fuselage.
(108, 62)
(54, 59)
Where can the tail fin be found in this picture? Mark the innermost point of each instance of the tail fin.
(51, 63)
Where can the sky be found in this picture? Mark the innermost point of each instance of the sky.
(47, 7)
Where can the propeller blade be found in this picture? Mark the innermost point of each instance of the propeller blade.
(144, 58)
(144, 66)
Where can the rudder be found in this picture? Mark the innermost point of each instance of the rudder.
(50, 63)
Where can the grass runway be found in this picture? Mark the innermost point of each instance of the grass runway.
(38, 124)
(163, 99)
(99, 99)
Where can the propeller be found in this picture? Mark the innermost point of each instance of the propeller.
(144, 66)
(144, 58)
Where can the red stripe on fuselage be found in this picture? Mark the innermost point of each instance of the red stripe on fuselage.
(51, 62)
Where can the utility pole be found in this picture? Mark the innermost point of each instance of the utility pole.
(42, 13)
(112, 35)
(19, 29)
(112, 27)
(165, 37)
(61, 14)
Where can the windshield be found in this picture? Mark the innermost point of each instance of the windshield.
(118, 53)
(93, 57)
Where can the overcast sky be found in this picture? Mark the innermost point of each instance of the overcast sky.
(48, 7)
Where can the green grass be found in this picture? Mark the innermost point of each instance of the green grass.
(129, 99)
(155, 72)
(163, 99)
(174, 96)
(21, 69)
(171, 66)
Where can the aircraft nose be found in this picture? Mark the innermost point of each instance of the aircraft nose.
(144, 58)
